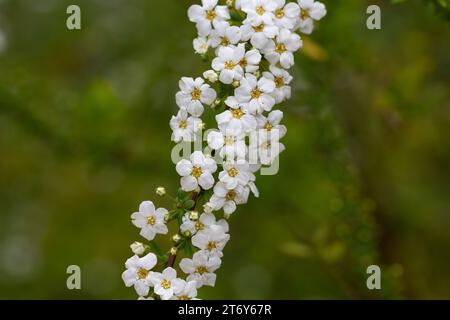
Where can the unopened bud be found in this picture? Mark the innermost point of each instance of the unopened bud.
(173, 251)
(227, 216)
(161, 191)
(166, 218)
(211, 76)
(193, 215)
(236, 83)
(137, 248)
(187, 234)
(176, 238)
(208, 208)
(257, 74)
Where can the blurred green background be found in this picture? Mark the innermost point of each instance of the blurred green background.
(365, 179)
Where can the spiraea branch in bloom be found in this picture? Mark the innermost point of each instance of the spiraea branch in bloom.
(250, 45)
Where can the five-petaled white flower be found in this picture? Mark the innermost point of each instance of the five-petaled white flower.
(224, 35)
(251, 59)
(272, 123)
(258, 33)
(259, 11)
(201, 268)
(227, 199)
(149, 220)
(255, 95)
(286, 15)
(188, 292)
(196, 171)
(201, 45)
(282, 79)
(138, 272)
(310, 10)
(235, 173)
(236, 120)
(228, 146)
(282, 48)
(193, 94)
(205, 221)
(267, 146)
(206, 15)
(184, 127)
(166, 284)
(228, 64)
(212, 240)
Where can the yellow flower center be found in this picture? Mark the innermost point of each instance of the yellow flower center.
(304, 14)
(237, 113)
(233, 172)
(259, 28)
(182, 124)
(211, 245)
(151, 220)
(211, 15)
(142, 273)
(255, 93)
(260, 10)
(230, 195)
(196, 94)
(184, 297)
(265, 145)
(229, 65)
(201, 269)
(279, 13)
(225, 42)
(243, 63)
(196, 172)
(268, 126)
(165, 284)
(199, 226)
(229, 140)
(280, 48)
(279, 82)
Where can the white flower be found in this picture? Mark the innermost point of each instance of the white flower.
(282, 79)
(160, 191)
(235, 173)
(138, 272)
(272, 122)
(310, 10)
(211, 76)
(212, 239)
(201, 45)
(166, 283)
(258, 33)
(251, 59)
(236, 120)
(207, 14)
(193, 94)
(224, 35)
(201, 268)
(259, 11)
(228, 146)
(286, 15)
(137, 248)
(149, 220)
(227, 199)
(227, 63)
(184, 127)
(267, 146)
(188, 292)
(196, 171)
(205, 221)
(255, 95)
(208, 208)
(281, 50)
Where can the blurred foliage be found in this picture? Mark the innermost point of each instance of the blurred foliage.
(84, 137)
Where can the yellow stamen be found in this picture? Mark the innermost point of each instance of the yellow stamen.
(225, 42)
(182, 124)
(255, 94)
(279, 13)
(259, 28)
(304, 14)
(280, 48)
(229, 65)
(279, 82)
(229, 140)
(231, 195)
(268, 126)
(165, 284)
(199, 226)
(233, 172)
(151, 220)
(196, 172)
(201, 269)
(142, 273)
(260, 11)
(237, 113)
(196, 94)
(211, 15)
(211, 245)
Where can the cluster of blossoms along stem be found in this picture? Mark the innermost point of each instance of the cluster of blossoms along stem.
(250, 45)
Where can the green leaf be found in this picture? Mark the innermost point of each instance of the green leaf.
(188, 204)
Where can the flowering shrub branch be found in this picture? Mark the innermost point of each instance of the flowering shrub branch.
(250, 45)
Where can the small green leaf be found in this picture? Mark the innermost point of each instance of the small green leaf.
(188, 204)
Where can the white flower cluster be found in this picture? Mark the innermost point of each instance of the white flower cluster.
(251, 46)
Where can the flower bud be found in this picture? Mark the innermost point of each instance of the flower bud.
(227, 216)
(236, 83)
(176, 238)
(208, 208)
(187, 234)
(173, 251)
(193, 215)
(161, 191)
(211, 76)
(202, 125)
(166, 218)
(230, 3)
(137, 248)
(257, 74)
(197, 190)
